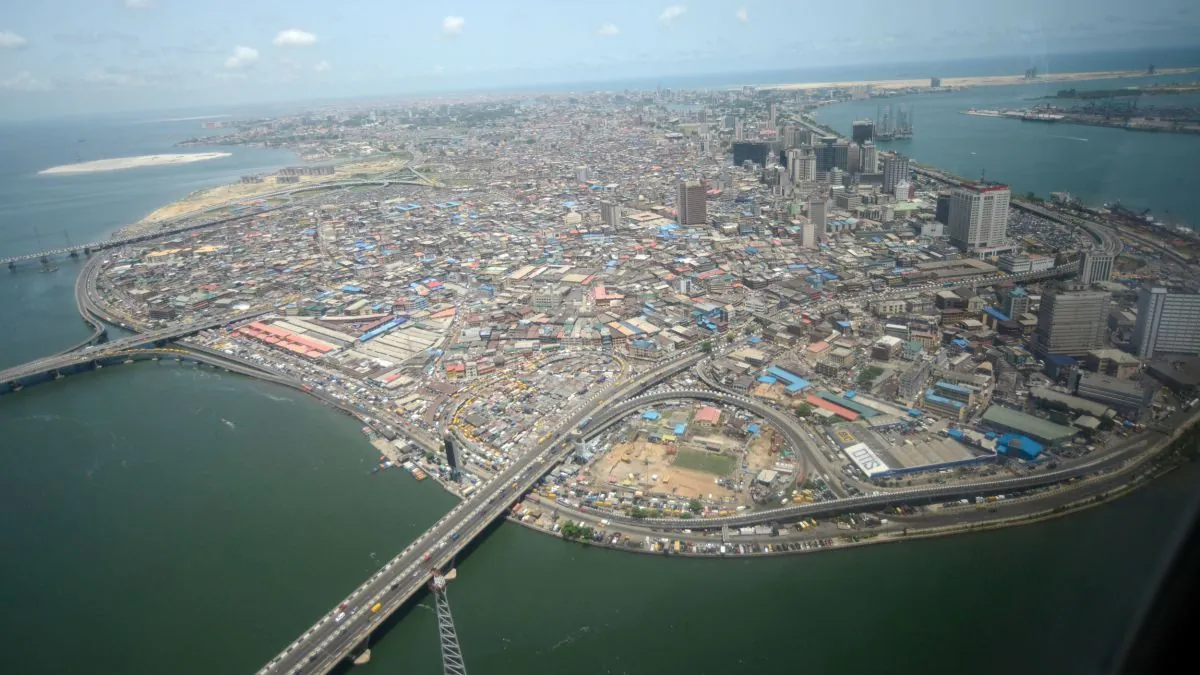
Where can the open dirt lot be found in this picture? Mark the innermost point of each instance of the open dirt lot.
(649, 459)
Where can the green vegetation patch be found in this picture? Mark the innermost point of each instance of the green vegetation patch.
(711, 462)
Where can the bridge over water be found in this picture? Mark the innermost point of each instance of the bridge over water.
(331, 640)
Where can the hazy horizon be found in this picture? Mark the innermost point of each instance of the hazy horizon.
(71, 57)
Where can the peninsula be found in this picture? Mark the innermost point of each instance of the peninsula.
(123, 163)
(983, 81)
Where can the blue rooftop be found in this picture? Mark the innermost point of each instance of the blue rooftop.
(651, 415)
(680, 429)
(996, 314)
(941, 400)
(949, 386)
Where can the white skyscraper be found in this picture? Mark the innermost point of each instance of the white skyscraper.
(978, 216)
(1095, 266)
(802, 165)
(581, 174)
(808, 235)
(895, 169)
(869, 158)
(739, 133)
(1167, 323)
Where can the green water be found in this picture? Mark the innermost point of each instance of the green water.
(159, 518)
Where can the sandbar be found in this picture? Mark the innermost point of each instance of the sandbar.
(123, 163)
(982, 81)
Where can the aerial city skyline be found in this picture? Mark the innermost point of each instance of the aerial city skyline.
(324, 315)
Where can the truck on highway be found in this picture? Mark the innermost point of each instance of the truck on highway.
(376, 607)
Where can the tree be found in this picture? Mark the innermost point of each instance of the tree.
(637, 512)
(706, 346)
(695, 506)
(868, 375)
(803, 410)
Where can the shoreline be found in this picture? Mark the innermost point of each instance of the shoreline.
(125, 163)
(978, 80)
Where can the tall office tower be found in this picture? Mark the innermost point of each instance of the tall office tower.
(808, 235)
(739, 132)
(581, 174)
(1071, 322)
(1095, 266)
(1016, 302)
(841, 155)
(868, 158)
(1167, 323)
(817, 213)
(854, 158)
(787, 136)
(895, 169)
(703, 116)
(978, 216)
(771, 111)
(802, 165)
(690, 201)
(863, 131)
(610, 213)
(744, 151)
(942, 212)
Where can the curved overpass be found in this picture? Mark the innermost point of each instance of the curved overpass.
(913, 497)
(786, 425)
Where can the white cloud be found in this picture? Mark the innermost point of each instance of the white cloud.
(294, 37)
(453, 25)
(607, 30)
(671, 13)
(742, 15)
(242, 57)
(139, 4)
(24, 81)
(10, 40)
(322, 67)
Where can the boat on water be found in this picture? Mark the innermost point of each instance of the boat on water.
(1026, 115)
(419, 474)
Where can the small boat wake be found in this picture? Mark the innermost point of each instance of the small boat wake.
(229, 424)
(1072, 138)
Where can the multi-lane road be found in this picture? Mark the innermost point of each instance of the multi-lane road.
(332, 639)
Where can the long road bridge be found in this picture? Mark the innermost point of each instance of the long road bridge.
(27, 372)
(343, 632)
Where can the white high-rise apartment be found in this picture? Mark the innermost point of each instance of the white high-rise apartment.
(978, 216)
(1167, 323)
(808, 235)
(869, 158)
(895, 169)
(1095, 266)
(817, 215)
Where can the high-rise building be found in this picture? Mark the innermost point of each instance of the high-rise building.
(941, 212)
(978, 216)
(771, 112)
(808, 235)
(1095, 266)
(1071, 322)
(817, 213)
(581, 174)
(690, 201)
(739, 132)
(863, 131)
(1016, 302)
(854, 158)
(610, 213)
(841, 156)
(868, 158)
(1167, 323)
(895, 169)
(751, 151)
(802, 165)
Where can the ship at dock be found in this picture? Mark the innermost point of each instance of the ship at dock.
(1026, 115)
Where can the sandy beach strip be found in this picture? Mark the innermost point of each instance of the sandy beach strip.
(982, 81)
(123, 163)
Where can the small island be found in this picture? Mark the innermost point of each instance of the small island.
(123, 163)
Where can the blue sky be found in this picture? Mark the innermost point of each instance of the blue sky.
(63, 56)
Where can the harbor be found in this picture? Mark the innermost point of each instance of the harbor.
(1185, 120)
